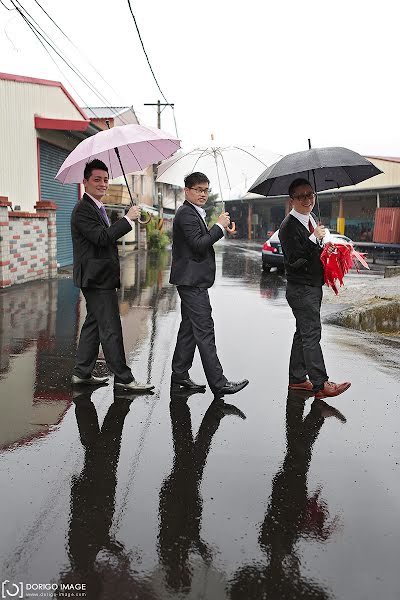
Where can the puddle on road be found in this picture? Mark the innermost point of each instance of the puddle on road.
(39, 332)
(160, 497)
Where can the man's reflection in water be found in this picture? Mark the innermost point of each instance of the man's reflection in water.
(181, 504)
(272, 285)
(93, 505)
(291, 515)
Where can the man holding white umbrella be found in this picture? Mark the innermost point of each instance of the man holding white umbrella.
(193, 272)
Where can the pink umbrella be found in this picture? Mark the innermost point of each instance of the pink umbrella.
(138, 146)
(124, 149)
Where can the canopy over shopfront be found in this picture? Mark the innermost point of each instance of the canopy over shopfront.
(256, 217)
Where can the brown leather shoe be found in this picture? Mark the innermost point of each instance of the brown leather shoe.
(331, 389)
(328, 411)
(305, 385)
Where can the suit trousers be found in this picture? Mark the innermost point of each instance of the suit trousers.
(197, 329)
(102, 326)
(306, 356)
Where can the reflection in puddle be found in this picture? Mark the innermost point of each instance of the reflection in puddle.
(39, 330)
(292, 515)
(181, 503)
(95, 556)
(245, 267)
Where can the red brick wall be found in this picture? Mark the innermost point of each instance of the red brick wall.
(27, 244)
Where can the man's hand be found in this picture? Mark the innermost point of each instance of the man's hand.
(134, 213)
(224, 219)
(320, 232)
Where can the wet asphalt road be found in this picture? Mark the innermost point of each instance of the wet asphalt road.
(264, 496)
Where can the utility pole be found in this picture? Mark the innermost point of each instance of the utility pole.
(157, 191)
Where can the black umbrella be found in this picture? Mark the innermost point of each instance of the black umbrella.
(326, 168)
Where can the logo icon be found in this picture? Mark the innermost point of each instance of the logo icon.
(12, 590)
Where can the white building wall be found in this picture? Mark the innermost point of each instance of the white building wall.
(20, 102)
(390, 177)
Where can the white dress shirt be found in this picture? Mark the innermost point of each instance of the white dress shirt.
(100, 204)
(203, 214)
(304, 220)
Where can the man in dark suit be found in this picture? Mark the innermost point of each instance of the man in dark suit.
(302, 244)
(97, 273)
(193, 272)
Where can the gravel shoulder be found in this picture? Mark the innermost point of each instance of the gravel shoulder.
(371, 303)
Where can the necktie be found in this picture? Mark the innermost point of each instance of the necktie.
(310, 226)
(103, 212)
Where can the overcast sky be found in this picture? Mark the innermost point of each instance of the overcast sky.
(266, 73)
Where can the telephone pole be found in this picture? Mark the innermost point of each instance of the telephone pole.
(158, 192)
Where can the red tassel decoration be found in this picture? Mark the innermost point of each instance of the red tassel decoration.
(337, 263)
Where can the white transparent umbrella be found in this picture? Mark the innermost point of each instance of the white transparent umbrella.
(227, 167)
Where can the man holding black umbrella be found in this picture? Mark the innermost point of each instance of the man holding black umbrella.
(302, 242)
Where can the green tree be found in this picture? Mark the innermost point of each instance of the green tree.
(156, 240)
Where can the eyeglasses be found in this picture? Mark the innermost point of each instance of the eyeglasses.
(307, 196)
(200, 191)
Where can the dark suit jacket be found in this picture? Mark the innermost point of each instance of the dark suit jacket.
(193, 259)
(96, 261)
(301, 256)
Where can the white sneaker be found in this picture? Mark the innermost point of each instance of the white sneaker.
(92, 380)
(134, 386)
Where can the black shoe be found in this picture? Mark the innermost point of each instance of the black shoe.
(179, 394)
(186, 383)
(92, 380)
(133, 386)
(219, 406)
(231, 387)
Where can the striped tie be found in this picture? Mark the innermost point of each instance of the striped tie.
(103, 212)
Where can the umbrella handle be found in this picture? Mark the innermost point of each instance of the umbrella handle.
(231, 229)
(147, 220)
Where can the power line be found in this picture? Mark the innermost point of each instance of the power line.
(148, 62)
(51, 58)
(31, 22)
(41, 37)
(6, 7)
(76, 47)
(176, 126)
(57, 50)
(145, 53)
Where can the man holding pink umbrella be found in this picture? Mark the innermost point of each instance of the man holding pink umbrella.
(97, 273)
(112, 152)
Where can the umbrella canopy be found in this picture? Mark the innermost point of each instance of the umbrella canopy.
(226, 167)
(139, 146)
(331, 167)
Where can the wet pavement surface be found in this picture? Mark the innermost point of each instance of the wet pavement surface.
(153, 496)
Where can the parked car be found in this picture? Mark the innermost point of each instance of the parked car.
(272, 255)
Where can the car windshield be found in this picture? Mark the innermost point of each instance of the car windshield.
(274, 238)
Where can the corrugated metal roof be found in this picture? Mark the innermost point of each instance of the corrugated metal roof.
(42, 82)
(106, 112)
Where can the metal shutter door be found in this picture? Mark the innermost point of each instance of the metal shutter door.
(65, 196)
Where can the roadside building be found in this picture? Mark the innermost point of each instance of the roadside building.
(115, 115)
(41, 124)
(350, 210)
